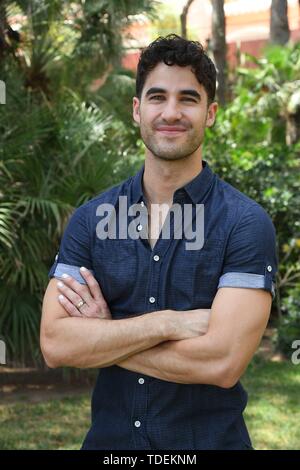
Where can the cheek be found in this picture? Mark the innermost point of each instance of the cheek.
(149, 118)
(200, 122)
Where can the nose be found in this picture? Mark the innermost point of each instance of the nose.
(171, 111)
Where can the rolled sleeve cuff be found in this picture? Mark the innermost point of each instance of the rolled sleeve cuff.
(73, 271)
(248, 281)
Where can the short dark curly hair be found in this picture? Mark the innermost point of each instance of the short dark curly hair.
(173, 49)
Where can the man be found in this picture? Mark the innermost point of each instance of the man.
(138, 308)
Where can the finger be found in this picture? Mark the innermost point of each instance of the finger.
(92, 283)
(80, 289)
(68, 306)
(85, 310)
(69, 293)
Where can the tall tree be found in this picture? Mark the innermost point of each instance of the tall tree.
(183, 18)
(94, 32)
(279, 25)
(218, 46)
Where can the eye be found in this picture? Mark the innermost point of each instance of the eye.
(192, 100)
(157, 97)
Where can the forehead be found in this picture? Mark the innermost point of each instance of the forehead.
(172, 78)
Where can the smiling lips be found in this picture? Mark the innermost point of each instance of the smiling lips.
(171, 130)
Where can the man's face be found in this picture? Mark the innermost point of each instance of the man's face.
(172, 112)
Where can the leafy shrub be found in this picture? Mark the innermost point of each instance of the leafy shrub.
(249, 148)
(289, 324)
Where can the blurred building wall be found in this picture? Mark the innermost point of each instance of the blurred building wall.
(247, 27)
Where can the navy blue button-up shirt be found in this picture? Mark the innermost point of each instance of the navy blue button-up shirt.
(135, 411)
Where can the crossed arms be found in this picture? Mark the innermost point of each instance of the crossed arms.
(183, 347)
(219, 357)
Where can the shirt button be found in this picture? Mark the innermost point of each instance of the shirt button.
(152, 300)
(137, 424)
(141, 381)
(269, 268)
(139, 227)
(156, 258)
(56, 257)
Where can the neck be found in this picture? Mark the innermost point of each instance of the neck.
(162, 178)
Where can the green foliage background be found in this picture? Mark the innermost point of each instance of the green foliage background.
(250, 147)
(62, 143)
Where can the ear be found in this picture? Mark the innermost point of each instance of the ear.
(211, 114)
(136, 110)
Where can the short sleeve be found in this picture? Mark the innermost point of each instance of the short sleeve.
(251, 254)
(74, 250)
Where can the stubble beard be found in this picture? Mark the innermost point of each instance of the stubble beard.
(170, 151)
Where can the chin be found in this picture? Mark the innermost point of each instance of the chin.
(170, 158)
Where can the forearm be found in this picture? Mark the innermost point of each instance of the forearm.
(90, 342)
(221, 355)
(180, 361)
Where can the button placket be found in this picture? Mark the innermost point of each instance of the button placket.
(139, 413)
(154, 279)
(162, 245)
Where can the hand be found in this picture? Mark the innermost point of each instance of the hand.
(189, 323)
(73, 292)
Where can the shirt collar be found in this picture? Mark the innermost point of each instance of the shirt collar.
(196, 189)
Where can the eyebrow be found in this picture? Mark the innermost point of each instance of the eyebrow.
(189, 92)
(153, 90)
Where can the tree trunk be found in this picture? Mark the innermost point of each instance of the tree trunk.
(183, 18)
(279, 26)
(218, 46)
